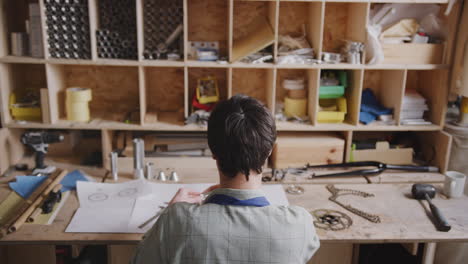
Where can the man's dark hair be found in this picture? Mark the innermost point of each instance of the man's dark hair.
(241, 135)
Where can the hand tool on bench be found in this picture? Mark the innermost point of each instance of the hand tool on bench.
(33, 202)
(427, 192)
(48, 205)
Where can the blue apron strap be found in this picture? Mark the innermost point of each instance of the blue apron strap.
(223, 199)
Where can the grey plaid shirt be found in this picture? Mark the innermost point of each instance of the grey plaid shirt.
(212, 233)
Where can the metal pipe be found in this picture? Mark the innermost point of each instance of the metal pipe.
(114, 170)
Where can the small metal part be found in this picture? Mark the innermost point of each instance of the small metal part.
(174, 177)
(149, 170)
(294, 189)
(114, 169)
(161, 176)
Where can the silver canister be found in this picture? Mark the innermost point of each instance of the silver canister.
(149, 170)
(138, 158)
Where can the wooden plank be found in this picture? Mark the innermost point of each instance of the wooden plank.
(297, 149)
(261, 36)
(333, 254)
(6, 84)
(120, 254)
(458, 51)
(45, 108)
(230, 18)
(56, 84)
(30, 254)
(353, 95)
(271, 89)
(313, 77)
(413, 53)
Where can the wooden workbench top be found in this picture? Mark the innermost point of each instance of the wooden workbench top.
(403, 219)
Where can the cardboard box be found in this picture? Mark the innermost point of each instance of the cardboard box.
(383, 153)
(298, 149)
(413, 53)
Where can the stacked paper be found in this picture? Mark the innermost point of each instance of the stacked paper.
(413, 108)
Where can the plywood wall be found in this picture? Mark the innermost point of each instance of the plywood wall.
(114, 89)
(245, 12)
(164, 89)
(251, 82)
(207, 21)
(335, 26)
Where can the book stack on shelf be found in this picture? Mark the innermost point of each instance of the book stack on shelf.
(413, 107)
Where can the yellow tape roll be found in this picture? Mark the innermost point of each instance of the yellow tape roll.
(295, 107)
(77, 100)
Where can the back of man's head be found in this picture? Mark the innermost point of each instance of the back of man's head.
(241, 135)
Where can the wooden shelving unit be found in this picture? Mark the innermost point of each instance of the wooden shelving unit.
(165, 88)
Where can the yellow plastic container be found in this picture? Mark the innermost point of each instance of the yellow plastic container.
(24, 113)
(332, 116)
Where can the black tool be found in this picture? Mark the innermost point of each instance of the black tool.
(379, 168)
(51, 200)
(426, 192)
(39, 141)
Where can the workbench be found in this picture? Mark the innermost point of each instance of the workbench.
(403, 219)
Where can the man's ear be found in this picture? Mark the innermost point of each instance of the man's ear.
(214, 157)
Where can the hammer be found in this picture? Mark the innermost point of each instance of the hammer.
(427, 191)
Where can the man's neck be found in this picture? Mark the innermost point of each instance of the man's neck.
(240, 181)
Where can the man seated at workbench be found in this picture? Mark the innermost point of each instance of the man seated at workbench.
(235, 223)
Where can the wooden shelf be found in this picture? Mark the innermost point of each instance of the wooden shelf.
(164, 88)
(214, 64)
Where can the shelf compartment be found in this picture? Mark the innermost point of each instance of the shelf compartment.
(79, 147)
(116, 34)
(352, 95)
(68, 32)
(430, 147)
(14, 15)
(159, 19)
(194, 74)
(388, 87)
(256, 83)
(344, 21)
(293, 16)
(207, 22)
(115, 92)
(310, 77)
(163, 95)
(431, 85)
(14, 80)
(254, 27)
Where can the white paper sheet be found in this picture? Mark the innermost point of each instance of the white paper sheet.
(99, 220)
(110, 195)
(125, 213)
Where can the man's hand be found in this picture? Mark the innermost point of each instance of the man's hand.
(190, 196)
(186, 195)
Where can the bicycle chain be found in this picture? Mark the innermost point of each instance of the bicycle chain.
(331, 220)
(339, 192)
